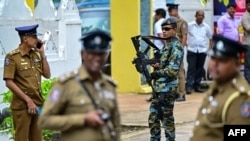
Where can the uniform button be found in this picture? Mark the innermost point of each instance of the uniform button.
(32, 67)
(203, 111)
(82, 101)
(214, 103)
(210, 98)
(75, 71)
(25, 68)
(242, 89)
(234, 81)
(38, 82)
(25, 92)
(197, 123)
(36, 74)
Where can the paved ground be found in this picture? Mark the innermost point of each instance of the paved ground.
(134, 112)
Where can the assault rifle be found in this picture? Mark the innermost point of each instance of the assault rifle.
(142, 59)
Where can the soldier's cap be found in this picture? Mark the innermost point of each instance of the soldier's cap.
(170, 21)
(96, 41)
(27, 30)
(226, 48)
(172, 6)
(247, 1)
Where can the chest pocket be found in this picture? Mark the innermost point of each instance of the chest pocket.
(212, 115)
(80, 104)
(165, 54)
(25, 70)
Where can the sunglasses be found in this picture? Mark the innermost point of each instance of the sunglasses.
(166, 28)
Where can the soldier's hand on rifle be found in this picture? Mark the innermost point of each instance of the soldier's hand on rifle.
(155, 74)
(156, 65)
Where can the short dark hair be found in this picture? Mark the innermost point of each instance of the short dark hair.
(231, 5)
(161, 12)
(247, 1)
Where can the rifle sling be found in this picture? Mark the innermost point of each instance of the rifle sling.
(112, 133)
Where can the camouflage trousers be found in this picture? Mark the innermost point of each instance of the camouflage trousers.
(161, 114)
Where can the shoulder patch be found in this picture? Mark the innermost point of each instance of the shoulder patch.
(54, 95)
(67, 76)
(6, 61)
(184, 25)
(245, 110)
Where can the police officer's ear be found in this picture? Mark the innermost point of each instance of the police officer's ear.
(23, 38)
(82, 52)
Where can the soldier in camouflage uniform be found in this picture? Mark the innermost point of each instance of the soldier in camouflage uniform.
(165, 84)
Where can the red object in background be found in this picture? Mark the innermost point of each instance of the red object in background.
(215, 28)
(242, 58)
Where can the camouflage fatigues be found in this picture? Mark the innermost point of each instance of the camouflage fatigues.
(161, 108)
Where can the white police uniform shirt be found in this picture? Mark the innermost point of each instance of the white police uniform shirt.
(157, 30)
(198, 37)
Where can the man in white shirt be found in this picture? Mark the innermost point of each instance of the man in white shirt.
(159, 17)
(199, 33)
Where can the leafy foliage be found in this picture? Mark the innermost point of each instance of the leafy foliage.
(7, 124)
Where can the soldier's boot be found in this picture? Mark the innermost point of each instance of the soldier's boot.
(180, 97)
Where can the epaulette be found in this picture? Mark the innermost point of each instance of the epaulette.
(15, 51)
(110, 80)
(240, 86)
(67, 76)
